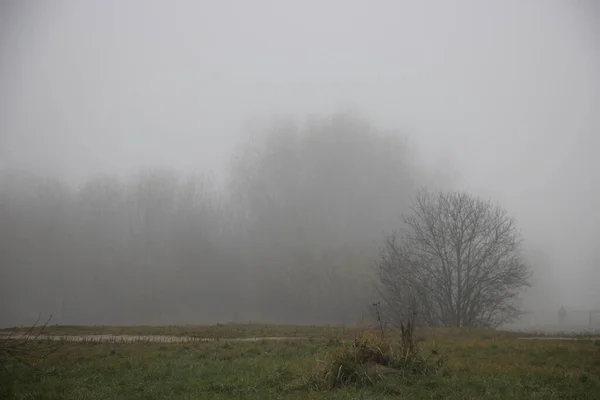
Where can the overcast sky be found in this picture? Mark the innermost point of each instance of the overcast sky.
(506, 92)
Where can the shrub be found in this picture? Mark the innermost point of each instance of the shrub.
(371, 357)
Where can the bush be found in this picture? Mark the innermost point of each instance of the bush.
(371, 357)
(354, 364)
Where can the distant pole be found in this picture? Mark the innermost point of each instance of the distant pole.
(562, 315)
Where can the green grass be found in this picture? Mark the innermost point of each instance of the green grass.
(480, 365)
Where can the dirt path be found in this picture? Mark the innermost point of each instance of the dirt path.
(559, 338)
(146, 338)
(187, 339)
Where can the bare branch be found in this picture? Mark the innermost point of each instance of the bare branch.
(27, 345)
(460, 257)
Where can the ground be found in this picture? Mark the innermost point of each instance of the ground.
(480, 365)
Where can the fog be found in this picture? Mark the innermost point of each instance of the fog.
(196, 161)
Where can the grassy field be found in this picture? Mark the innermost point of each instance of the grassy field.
(479, 365)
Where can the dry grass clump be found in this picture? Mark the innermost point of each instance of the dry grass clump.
(354, 364)
(372, 356)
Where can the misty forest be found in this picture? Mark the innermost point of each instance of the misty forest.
(304, 200)
(214, 185)
(292, 237)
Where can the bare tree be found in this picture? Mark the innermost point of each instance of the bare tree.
(460, 259)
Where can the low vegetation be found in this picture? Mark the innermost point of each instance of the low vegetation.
(331, 363)
(25, 344)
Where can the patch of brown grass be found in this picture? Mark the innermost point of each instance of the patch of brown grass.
(365, 361)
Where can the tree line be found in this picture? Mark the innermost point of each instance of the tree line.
(293, 236)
